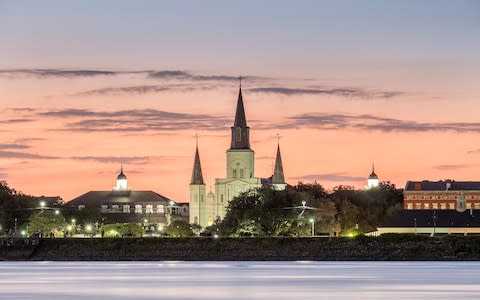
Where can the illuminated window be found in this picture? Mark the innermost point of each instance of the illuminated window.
(126, 209)
(409, 205)
(160, 209)
(115, 207)
(138, 209)
(104, 208)
(149, 209)
(435, 205)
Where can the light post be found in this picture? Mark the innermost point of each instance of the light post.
(312, 221)
(415, 223)
(57, 212)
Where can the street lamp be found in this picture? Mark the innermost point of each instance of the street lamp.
(312, 221)
(57, 212)
(43, 204)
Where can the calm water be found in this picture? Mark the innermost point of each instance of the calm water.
(239, 280)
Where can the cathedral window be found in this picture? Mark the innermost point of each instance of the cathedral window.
(238, 133)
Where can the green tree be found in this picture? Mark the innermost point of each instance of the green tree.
(179, 228)
(47, 222)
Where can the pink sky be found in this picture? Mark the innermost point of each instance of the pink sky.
(72, 139)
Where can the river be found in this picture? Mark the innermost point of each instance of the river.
(239, 280)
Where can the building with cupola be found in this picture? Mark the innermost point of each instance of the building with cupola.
(372, 181)
(239, 174)
(122, 204)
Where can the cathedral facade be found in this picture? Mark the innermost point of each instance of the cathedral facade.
(240, 174)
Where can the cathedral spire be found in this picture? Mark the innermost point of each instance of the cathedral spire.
(197, 176)
(278, 177)
(240, 119)
(240, 130)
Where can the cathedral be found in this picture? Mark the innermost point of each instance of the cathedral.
(240, 174)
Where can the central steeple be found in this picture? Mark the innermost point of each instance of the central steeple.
(240, 130)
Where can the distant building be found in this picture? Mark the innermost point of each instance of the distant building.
(123, 205)
(433, 222)
(441, 195)
(372, 181)
(240, 174)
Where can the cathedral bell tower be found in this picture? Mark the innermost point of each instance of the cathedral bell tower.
(197, 193)
(240, 158)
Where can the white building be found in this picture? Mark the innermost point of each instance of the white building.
(239, 177)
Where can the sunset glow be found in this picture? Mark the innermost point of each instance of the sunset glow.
(85, 88)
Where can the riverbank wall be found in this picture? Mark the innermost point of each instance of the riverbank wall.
(383, 248)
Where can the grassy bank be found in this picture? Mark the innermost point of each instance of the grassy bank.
(394, 247)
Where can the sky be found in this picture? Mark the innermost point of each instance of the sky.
(86, 86)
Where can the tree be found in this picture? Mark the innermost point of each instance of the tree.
(47, 222)
(179, 228)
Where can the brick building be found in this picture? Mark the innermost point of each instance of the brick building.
(442, 194)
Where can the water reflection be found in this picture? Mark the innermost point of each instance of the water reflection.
(239, 280)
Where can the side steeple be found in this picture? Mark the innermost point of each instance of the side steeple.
(197, 176)
(240, 130)
(278, 176)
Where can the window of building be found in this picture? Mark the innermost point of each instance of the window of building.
(201, 198)
(160, 209)
(239, 134)
(126, 209)
(115, 207)
(81, 207)
(149, 209)
(409, 206)
(418, 205)
(195, 220)
(477, 205)
(241, 173)
(235, 173)
(104, 208)
(443, 206)
(195, 198)
(138, 209)
(435, 205)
